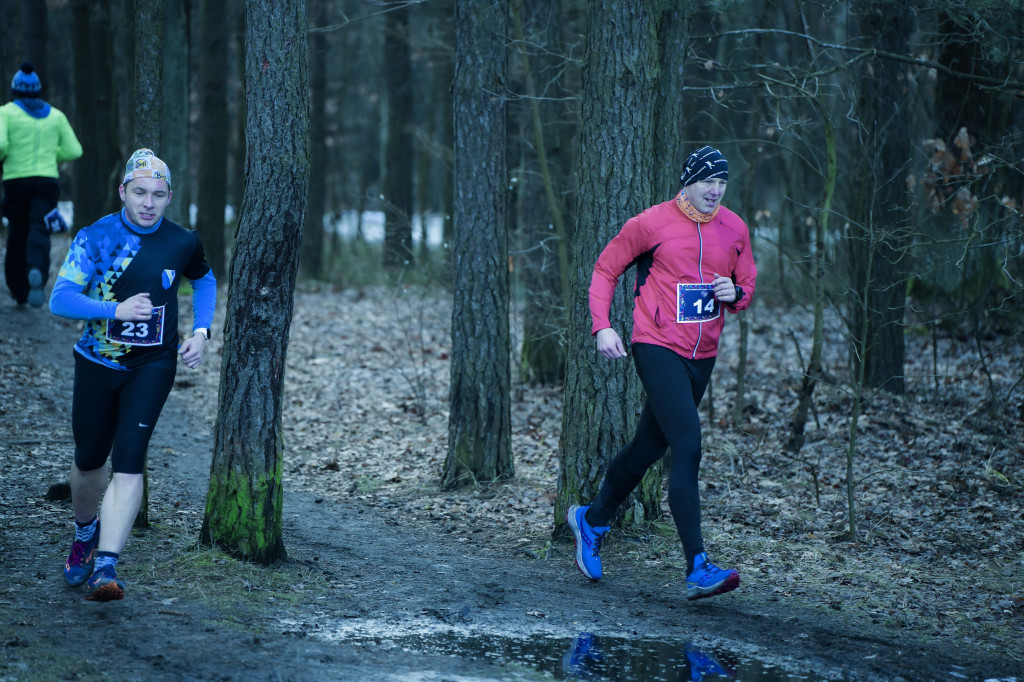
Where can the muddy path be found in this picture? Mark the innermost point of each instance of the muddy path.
(359, 577)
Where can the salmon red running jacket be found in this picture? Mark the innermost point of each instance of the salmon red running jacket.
(677, 259)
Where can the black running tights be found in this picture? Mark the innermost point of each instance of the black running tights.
(674, 387)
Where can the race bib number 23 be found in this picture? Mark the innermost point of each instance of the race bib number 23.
(138, 333)
(695, 303)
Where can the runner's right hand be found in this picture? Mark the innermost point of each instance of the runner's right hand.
(135, 309)
(609, 344)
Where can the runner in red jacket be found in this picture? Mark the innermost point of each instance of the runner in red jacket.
(693, 259)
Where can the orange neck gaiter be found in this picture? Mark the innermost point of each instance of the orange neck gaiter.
(691, 211)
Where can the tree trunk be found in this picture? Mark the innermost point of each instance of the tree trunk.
(149, 73)
(398, 145)
(149, 76)
(90, 175)
(545, 264)
(445, 119)
(33, 38)
(213, 133)
(175, 102)
(798, 424)
(671, 126)
(237, 114)
(110, 139)
(243, 507)
(313, 235)
(881, 201)
(10, 37)
(479, 423)
(616, 182)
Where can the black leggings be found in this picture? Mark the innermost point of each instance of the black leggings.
(674, 387)
(26, 203)
(116, 409)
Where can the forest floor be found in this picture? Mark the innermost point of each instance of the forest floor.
(390, 578)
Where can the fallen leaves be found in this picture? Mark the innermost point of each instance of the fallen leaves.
(938, 480)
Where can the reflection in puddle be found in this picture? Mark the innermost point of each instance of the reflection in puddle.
(593, 657)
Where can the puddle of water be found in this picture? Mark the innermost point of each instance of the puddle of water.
(590, 657)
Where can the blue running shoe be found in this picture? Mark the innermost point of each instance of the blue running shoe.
(707, 580)
(78, 567)
(104, 585)
(35, 288)
(588, 542)
(584, 649)
(702, 664)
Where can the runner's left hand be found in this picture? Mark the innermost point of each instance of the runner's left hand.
(191, 351)
(725, 289)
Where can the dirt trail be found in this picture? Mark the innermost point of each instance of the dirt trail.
(354, 574)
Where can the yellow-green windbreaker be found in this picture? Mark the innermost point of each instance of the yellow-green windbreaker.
(31, 145)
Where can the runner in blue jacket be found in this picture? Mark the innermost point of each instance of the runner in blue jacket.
(121, 275)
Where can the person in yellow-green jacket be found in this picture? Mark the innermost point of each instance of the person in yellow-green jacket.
(34, 138)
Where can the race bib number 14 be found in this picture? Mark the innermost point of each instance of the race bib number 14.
(138, 333)
(695, 303)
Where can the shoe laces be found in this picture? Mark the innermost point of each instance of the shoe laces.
(598, 539)
(702, 568)
(77, 553)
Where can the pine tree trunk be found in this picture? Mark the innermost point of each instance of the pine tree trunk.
(243, 507)
(670, 131)
(108, 95)
(881, 195)
(10, 32)
(545, 271)
(399, 164)
(149, 76)
(213, 133)
(479, 423)
(445, 121)
(616, 182)
(312, 260)
(33, 38)
(149, 121)
(91, 189)
(175, 102)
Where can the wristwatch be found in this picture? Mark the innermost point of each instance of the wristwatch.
(202, 330)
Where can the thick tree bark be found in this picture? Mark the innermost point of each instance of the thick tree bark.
(616, 181)
(149, 76)
(479, 424)
(243, 508)
(213, 133)
(671, 126)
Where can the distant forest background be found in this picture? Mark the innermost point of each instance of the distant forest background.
(875, 148)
